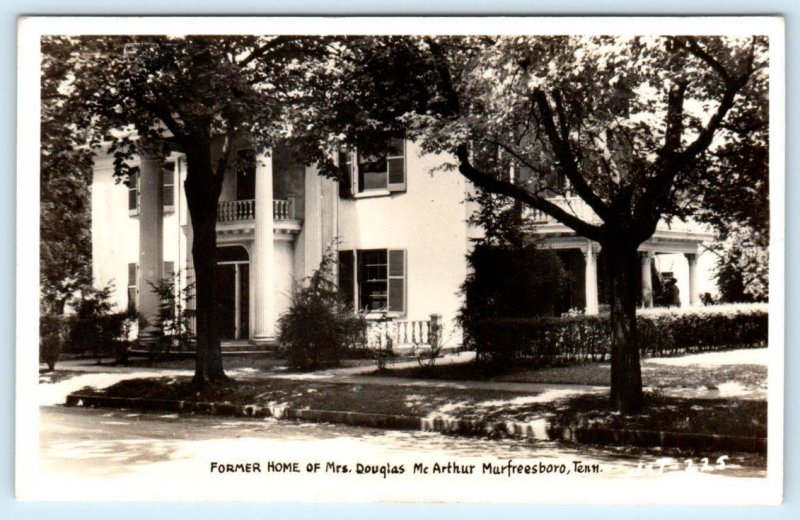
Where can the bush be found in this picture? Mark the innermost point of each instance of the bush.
(53, 332)
(319, 325)
(97, 334)
(509, 281)
(94, 328)
(545, 340)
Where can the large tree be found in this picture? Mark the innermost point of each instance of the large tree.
(200, 94)
(64, 173)
(631, 125)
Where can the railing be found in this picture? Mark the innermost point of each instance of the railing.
(572, 205)
(579, 208)
(402, 333)
(238, 210)
(283, 209)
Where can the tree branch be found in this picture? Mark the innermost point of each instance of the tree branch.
(258, 52)
(566, 159)
(493, 185)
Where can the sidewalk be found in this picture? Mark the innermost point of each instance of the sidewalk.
(356, 375)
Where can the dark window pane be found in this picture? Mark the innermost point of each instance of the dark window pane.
(346, 269)
(169, 195)
(132, 199)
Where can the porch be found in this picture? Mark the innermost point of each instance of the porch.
(584, 260)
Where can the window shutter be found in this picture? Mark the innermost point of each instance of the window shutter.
(346, 273)
(396, 165)
(397, 280)
(346, 176)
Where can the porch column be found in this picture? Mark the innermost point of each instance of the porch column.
(263, 253)
(647, 279)
(590, 285)
(151, 237)
(694, 297)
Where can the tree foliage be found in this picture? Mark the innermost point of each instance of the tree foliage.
(639, 128)
(64, 175)
(138, 95)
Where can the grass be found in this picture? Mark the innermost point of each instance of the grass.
(741, 418)
(719, 416)
(419, 402)
(596, 374)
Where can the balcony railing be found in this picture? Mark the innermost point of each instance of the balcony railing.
(283, 209)
(236, 210)
(239, 210)
(573, 205)
(578, 207)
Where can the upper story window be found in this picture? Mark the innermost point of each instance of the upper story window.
(245, 174)
(133, 193)
(167, 189)
(380, 173)
(168, 185)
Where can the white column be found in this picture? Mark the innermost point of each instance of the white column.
(647, 279)
(590, 286)
(151, 233)
(263, 253)
(312, 223)
(694, 297)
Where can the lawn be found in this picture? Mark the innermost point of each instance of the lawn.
(718, 416)
(659, 373)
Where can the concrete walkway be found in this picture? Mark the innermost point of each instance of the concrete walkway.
(356, 376)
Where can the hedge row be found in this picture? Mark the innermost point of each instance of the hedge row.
(588, 338)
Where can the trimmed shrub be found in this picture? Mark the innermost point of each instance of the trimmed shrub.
(545, 340)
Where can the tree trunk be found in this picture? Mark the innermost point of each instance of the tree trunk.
(622, 267)
(202, 195)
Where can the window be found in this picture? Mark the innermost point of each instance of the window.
(168, 185)
(374, 279)
(133, 193)
(167, 189)
(245, 175)
(373, 173)
(133, 271)
(168, 269)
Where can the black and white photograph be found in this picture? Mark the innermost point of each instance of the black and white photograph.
(458, 260)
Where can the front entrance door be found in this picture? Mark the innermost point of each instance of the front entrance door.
(233, 293)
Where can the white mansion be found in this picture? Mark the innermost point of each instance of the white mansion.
(402, 236)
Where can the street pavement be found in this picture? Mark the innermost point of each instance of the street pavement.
(127, 455)
(92, 453)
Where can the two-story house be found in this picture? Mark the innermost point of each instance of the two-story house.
(401, 235)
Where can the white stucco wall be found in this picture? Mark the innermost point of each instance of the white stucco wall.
(428, 221)
(115, 232)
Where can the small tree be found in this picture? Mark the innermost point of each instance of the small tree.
(173, 325)
(320, 325)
